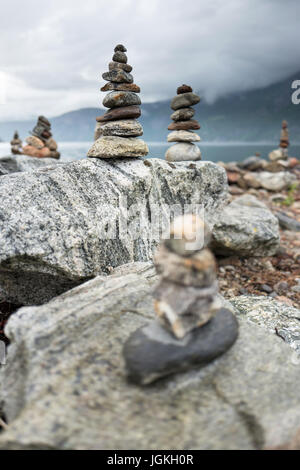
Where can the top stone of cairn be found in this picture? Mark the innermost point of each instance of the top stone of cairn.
(117, 130)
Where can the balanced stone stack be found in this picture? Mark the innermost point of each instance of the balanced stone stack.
(16, 144)
(183, 126)
(191, 329)
(118, 130)
(282, 152)
(41, 143)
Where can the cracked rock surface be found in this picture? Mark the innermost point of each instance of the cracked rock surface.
(60, 227)
(65, 387)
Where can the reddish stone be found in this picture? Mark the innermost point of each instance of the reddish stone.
(184, 89)
(184, 125)
(126, 112)
(34, 152)
(233, 177)
(293, 162)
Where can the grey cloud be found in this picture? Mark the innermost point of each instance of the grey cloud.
(53, 53)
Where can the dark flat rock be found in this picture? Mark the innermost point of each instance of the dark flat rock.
(288, 223)
(152, 352)
(184, 125)
(126, 112)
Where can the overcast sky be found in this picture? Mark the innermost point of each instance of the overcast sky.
(54, 52)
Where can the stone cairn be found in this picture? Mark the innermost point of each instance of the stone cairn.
(282, 152)
(118, 130)
(16, 144)
(191, 328)
(183, 127)
(41, 143)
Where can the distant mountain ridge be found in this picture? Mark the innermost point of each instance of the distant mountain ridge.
(249, 116)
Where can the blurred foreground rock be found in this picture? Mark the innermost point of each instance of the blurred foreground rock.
(64, 385)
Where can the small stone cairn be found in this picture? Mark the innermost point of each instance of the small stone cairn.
(41, 143)
(16, 144)
(183, 126)
(191, 327)
(282, 152)
(118, 130)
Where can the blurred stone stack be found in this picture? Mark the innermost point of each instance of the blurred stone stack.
(183, 126)
(282, 152)
(41, 143)
(118, 130)
(191, 327)
(16, 144)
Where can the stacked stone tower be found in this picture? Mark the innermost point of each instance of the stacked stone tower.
(118, 129)
(183, 127)
(284, 137)
(16, 144)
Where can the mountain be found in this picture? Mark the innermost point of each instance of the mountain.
(254, 115)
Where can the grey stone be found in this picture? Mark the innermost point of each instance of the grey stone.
(20, 163)
(184, 100)
(271, 181)
(118, 76)
(183, 151)
(121, 128)
(120, 56)
(252, 163)
(287, 223)
(116, 99)
(183, 114)
(152, 352)
(276, 317)
(120, 47)
(118, 66)
(55, 224)
(118, 147)
(246, 227)
(183, 136)
(64, 385)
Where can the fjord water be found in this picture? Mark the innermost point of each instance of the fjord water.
(223, 151)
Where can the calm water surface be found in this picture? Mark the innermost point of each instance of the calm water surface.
(210, 151)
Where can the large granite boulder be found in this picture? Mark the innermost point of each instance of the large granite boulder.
(246, 227)
(270, 181)
(65, 386)
(60, 227)
(19, 163)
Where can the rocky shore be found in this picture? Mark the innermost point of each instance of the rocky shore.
(70, 300)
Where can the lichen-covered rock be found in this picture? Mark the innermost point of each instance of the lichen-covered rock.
(16, 164)
(246, 227)
(65, 386)
(62, 226)
(276, 317)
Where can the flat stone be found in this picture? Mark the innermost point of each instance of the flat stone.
(270, 181)
(112, 86)
(118, 76)
(120, 47)
(117, 99)
(117, 66)
(127, 112)
(118, 147)
(121, 128)
(184, 100)
(183, 151)
(183, 136)
(287, 223)
(246, 227)
(277, 154)
(152, 352)
(120, 56)
(184, 125)
(184, 89)
(252, 163)
(183, 114)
